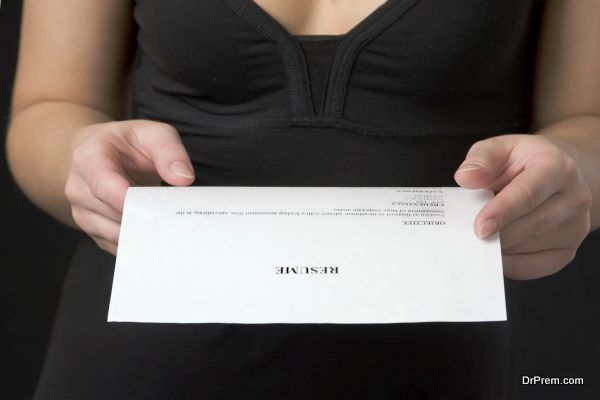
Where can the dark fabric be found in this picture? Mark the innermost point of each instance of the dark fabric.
(92, 359)
(412, 66)
(556, 327)
(318, 51)
(405, 93)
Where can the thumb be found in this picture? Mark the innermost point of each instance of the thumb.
(486, 161)
(162, 144)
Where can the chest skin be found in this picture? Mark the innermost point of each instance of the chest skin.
(319, 17)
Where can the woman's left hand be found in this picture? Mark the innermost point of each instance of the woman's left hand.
(542, 203)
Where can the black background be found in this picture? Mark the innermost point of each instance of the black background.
(556, 319)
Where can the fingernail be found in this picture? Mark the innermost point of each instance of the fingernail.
(469, 167)
(181, 169)
(487, 228)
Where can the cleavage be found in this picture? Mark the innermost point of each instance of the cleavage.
(319, 17)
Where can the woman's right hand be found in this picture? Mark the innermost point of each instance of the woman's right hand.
(107, 158)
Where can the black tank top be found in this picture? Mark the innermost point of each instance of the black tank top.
(407, 90)
(397, 101)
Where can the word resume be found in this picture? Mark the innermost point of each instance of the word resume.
(346, 255)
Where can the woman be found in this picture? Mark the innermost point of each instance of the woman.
(312, 93)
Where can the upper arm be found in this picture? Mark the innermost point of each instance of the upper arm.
(74, 51)
(567, 82)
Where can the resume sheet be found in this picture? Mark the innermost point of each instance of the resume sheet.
(351, 255)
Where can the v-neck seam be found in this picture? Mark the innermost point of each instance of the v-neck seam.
(364, 21)
(348, 49)
(288, 49)
(295, 63)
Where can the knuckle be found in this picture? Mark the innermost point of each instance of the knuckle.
(122, 133)
(570, 167)
(112, 128)
(88, 145)
(71, 192)
(78, 155)
(77, 216)
(568, 254)
(583, 200)
(553, 159)
(584, 227)
(556, 153)
(95, 183)
(544, 156)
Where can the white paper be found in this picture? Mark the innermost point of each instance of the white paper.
(375, 255)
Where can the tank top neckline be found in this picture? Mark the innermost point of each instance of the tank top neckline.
(348, 46)
(318, 38)
(366, 20)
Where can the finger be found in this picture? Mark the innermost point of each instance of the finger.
(570, 233)
(98, 207)
(485, 161)
(110, 187)
(96, 225)
(100, 169)
(107, 246)
(162, 144)
(539, 221)
(524, 193)
(80, 196)
(538, 264)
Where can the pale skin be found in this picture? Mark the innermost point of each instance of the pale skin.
(73, 154)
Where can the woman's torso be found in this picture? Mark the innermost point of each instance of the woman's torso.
(408, 90)
(404, 95)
